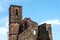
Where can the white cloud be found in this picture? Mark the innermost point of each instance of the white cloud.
(4, 25)
(4, 3)
(4, 21)
(4, 28)
(2, 6)
(53, 22)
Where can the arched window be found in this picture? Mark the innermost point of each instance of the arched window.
(17, 12)
(34, 31)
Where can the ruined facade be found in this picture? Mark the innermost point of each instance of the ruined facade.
(26, 29)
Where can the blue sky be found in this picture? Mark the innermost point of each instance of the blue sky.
(40, 11)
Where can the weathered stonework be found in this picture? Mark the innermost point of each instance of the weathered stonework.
(44, 32)
(28, 33)
(26, 29)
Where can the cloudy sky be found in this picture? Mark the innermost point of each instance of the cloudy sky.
(41, 11)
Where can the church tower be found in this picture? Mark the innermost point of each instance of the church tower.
(15, 16)
(15, 13)
(26, 29)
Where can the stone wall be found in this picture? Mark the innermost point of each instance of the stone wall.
(28, 33)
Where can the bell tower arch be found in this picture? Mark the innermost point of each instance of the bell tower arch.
(15, 13)
(15, 16)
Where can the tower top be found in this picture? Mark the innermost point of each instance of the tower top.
(15, 6)
(15, 13)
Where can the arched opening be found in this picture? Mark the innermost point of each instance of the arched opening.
(17, 12)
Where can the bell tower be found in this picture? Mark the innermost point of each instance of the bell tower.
(15, 16)
(15, 13)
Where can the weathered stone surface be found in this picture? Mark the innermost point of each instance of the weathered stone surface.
(26, 29)
(12, 37)
(13, 28)
(28, 33)
(44, 32)
(15, 13)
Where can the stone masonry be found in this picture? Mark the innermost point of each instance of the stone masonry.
(26, 29)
